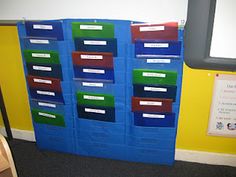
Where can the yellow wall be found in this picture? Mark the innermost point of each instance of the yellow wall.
(195, 101)
(12, 79)
(194, 114)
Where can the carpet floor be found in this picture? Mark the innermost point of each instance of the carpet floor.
(32, 162)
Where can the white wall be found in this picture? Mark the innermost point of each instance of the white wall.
(140, 10)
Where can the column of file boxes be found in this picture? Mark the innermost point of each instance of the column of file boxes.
(45, 60)
(99, 78)
(104, 88)
(154, 86)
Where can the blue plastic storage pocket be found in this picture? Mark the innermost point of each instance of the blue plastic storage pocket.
(155, 91)
(50, 29)
(104, 137)
(59, 143)
(56, 130)
(142, 131)
(49, 106)
(40, 43)
(100, 87)
(155, 63)
(96, 113)
(46, 95)
(150, 155)
(100, 126)
(152, 49)
(44, 70)
(154, 119)
(103, 150)
(64, 109)
(151, 142)
(96, 45)
(94, 74)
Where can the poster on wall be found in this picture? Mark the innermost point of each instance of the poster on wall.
(222, 121)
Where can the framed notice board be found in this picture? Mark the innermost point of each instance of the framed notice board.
(222, 120)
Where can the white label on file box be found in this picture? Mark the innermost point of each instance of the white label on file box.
(43, 81)
(90, 27)
(156, 45)
(43, 27)
(158, 60)
(155, 89)
(146, 74)
(96, 71)
(99, 111)
(151, 28)
(39, 41)
(92, 57)
(88, 97)
(150, 103)
(42, 68)
(95, 42)
(47, 105)
(45, 93)
(92, 84)
(41, 55)
(157, 116)
(46, 115)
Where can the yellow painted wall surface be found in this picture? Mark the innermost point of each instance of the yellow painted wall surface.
(195, 101)
(12, 79)
(196, 98)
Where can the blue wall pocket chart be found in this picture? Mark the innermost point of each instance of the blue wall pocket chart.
(104, 88)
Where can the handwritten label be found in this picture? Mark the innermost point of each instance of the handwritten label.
(42, 81)
(97, 71)
(47, 105)
(46, 115)
(43, 27)
(92, 57)
(89, 97)
(158, 60)
(156, 45)
(157, 116)
(42, 68)
(147, 74)
(45, 93)
(155, 89)
(41, 55)
(95, 42)
(39, 41)
(90, 27)
(92, 84)
(150, 103)
(99, 111)
(151, 28)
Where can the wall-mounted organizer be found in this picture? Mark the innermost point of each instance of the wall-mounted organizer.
(104, 88)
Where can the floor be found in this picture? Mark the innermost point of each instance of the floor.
(32, 162)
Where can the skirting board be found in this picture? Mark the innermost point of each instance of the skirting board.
(181, 154)
(20, 134)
